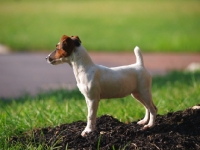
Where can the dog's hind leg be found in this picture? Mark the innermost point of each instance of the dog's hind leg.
(145, 120)
(147, 99)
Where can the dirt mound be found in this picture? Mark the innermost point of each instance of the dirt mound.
(178, 130)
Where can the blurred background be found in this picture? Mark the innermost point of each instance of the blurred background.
(112, 25)
(167, 27)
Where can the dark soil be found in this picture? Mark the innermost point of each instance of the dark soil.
(178, 130)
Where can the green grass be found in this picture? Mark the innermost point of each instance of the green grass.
(175, 91)
(113, 25)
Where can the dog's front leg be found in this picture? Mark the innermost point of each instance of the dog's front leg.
(92, 105)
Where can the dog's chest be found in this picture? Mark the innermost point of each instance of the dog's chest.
(84, 84)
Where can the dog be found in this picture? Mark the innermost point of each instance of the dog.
(97, 82)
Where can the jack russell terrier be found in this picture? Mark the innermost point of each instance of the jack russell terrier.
(98, 82)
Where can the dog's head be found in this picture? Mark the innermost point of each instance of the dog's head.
(63, 50)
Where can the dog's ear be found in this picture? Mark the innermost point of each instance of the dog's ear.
(76, 40)
(67, 44)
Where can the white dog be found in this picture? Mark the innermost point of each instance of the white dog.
(98, 82)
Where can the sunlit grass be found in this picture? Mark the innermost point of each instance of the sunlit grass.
(108, 26)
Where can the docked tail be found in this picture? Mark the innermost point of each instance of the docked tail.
(138, 54)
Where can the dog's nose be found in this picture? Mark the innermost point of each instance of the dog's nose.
(48, 58)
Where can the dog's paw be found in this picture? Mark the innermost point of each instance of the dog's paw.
(86, 132)
(142, 122)
(147, 127)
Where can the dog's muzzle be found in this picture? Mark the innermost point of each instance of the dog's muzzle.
(55, 61)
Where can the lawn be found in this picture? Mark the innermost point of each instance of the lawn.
(155, 26)
(175, 91)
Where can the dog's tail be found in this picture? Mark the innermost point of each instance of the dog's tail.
(138, 54)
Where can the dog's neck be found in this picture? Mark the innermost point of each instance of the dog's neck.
(80, 61)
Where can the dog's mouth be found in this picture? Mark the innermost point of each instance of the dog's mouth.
(55, 62)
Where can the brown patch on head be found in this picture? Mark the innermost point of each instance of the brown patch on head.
(69, 43)
(66, 44)
(60, 53)
(65, 47)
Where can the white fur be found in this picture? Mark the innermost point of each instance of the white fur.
(99, 82)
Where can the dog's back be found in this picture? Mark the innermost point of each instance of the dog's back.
(121, 81)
